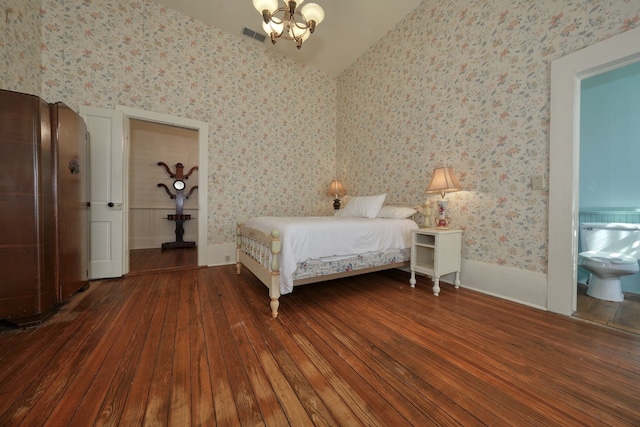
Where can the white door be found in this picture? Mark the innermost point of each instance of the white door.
(106, 191)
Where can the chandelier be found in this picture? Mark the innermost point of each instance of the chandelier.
(288, 21)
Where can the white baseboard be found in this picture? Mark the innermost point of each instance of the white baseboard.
(513, 284)
(222, 254)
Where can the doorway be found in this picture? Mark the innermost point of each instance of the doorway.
(154, 151)
(566, 76)
(201, 129)
(608, 193)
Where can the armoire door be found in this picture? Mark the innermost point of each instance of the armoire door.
(71, 175)
(27, 270)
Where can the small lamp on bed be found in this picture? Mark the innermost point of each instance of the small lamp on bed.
(443, 181)
(336, 189)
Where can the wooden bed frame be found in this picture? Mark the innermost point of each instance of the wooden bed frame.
(259, 253)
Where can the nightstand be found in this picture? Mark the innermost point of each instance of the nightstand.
(435, 252)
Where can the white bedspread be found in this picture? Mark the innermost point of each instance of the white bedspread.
(305, 238)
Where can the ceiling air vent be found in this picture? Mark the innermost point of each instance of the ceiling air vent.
(256, 36)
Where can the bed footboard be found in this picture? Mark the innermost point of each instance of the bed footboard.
(259, 253)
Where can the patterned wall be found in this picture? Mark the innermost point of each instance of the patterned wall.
(20, 37)
(139, 54)
(465, 83)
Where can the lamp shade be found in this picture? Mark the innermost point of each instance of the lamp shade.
(272, 27)
(443, 181)
(296, 31)
(269, 5)
(313, 12)
(336, 188)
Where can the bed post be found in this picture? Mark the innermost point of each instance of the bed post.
(274, 289)
(238, 246)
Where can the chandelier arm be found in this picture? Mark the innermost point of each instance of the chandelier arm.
(291, 7)
(304, 23)
(292, 18)
(266, 16)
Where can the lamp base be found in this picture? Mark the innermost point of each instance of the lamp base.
(336, 204)
(442, 220)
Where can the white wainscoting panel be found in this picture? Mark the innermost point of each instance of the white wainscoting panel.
(150, 228)
(513, 284)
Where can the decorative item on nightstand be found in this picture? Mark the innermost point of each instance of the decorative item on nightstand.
(336, 189)
(443, 181)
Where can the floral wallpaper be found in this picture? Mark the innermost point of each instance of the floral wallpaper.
(20, 37)
(463, 83)
(466, 84)
(271, 145)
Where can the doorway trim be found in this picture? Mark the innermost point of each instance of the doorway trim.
(203, 166)
(564, 158)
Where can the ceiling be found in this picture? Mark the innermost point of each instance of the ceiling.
(349, 28)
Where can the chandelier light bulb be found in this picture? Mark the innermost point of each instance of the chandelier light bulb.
(296, 31)
(289, 21)
(313, 12)
(269, 5)
(273, 27)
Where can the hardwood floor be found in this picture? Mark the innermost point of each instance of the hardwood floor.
(622, 315)
(146, 260)
(198, 347)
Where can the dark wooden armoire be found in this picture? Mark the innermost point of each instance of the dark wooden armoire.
(43, 206)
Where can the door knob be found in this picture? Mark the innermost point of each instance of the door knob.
(110, 204)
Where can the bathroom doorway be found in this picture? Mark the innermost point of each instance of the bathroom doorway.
(567, 73)
(609, 131)
(609, 152)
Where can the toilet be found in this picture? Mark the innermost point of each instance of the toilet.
(610, 250)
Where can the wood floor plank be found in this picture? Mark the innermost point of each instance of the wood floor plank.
(339, 410)
(157, 409)
(546, 394)
(135, 405)
(363, 406)
(103, 398)
(539, 352)
(226, 412)
(303, 405)
(246, 404)
(110, 406)
(25, 341)
(462, 358)
(448, 401)
(510, 369)
(455, 374)
(199, 347)
(241, 321)
(87, 390)
(202, 408)
(381, 376)
(180, 389)
(49, 385)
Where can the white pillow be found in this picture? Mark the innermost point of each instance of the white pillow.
(363, 206)
(396, 212)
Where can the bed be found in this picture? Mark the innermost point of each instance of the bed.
(284, 252)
